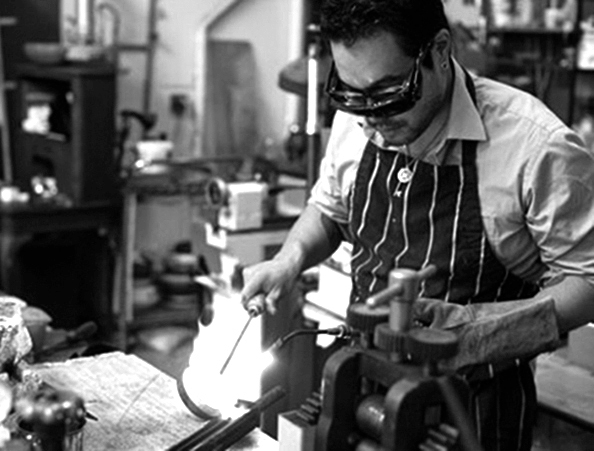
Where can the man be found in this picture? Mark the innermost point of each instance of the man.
(427, 164)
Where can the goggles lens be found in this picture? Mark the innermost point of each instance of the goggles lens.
(388, 101)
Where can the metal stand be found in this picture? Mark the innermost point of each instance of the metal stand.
(312, 128)
(4, 126)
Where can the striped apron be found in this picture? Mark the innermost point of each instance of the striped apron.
(437, 220)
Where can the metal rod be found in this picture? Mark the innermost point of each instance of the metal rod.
(397, 289)
(4, 125)
(312, 128)
(224, 367)
(240, 427)
(210, 427)
(152, 38)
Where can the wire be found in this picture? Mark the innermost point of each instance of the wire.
(341, 331)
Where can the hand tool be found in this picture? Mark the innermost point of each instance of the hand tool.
(254, 308)
(82, 332)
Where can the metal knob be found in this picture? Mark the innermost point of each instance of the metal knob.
(431, 345)
(402, 291)
(364, 318)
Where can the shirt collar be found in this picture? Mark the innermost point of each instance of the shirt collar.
(461, 121)
(465, 120)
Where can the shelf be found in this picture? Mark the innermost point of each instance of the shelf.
(78, 148)
(66, 71)
(530, 31)
(45, 144)
(162, 314)
(50, 136)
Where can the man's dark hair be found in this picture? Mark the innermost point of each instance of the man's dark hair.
(413, 22)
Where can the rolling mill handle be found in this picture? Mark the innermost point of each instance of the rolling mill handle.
(407, 283)
(401, 293)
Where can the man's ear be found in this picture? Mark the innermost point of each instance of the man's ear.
(442, 45)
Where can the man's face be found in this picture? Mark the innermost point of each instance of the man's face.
(378, 62)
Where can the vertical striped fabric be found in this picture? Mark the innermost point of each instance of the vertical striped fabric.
(436, 220)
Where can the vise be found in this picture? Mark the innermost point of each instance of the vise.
(384, 390)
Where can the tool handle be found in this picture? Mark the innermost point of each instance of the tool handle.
(427, 272)
(82, 332)
(256, 305)
(404, 285)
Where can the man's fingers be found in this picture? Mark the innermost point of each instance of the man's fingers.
(207, 314)
(249, 291)
(256, 305)
(271, 304)
(422, 309)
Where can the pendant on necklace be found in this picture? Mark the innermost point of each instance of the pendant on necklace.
(404, 175)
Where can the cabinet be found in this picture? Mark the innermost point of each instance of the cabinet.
(23, 21)
(58, 256)
(67, 129)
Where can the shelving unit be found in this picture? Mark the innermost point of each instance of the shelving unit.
(21, 21)
(79, 145)
(75, 145)
(139, 187)
(537, 60)
(544, 61)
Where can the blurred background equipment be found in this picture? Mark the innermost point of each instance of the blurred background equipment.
(306, 77)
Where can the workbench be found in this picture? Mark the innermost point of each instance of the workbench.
(137, 406)
(565, 390)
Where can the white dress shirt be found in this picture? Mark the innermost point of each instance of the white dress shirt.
(536, 179)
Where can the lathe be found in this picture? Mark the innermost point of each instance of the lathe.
(385, 391)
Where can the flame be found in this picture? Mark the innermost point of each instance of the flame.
(242, 378)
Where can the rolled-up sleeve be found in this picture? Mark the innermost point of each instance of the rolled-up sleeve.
(338, 168)
(559, 190)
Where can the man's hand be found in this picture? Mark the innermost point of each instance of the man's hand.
(438, 314)
(274, 279)
(493, 332)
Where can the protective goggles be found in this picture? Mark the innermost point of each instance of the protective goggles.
(388, 101)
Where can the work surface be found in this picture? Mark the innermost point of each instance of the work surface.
(137, 406)
(566, 390)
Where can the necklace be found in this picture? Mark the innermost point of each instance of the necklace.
(404, 176)
(405, 173)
